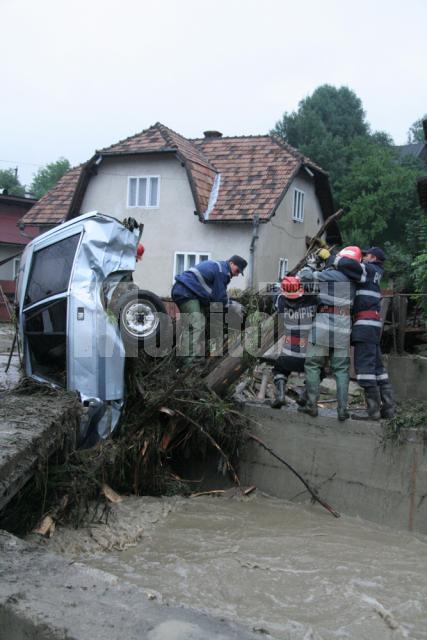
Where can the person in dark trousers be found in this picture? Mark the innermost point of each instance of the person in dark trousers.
(329, 337)
(196, 289)
(366, 333)
(296, 310)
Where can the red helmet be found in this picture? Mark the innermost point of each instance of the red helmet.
(139, 251)
(291, 287)
(354, 253)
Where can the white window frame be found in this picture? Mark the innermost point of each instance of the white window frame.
(283, 268)
(298, 206)
(147, 193)
(186, 254)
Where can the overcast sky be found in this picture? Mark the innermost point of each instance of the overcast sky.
(78, 75)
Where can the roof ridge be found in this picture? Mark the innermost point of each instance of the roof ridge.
(297, 154)
(189, 141)
(285, 145)
(156, 125)
(258, 135)
(164, 130)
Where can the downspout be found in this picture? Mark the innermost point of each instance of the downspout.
(255, 236)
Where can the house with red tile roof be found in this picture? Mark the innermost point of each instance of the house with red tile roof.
(198, 199)
(12, 243)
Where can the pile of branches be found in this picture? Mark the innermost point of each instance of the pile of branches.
(171, 420)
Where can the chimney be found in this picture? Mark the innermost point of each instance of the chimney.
(425, 128)
(212, 134)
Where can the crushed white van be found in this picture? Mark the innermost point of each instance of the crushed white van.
(79, 313)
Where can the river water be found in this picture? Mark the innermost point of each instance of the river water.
(291, 571)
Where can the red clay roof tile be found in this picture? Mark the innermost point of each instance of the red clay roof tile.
(55, 205)
(253, 172)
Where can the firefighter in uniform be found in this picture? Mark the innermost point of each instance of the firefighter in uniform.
(296, 310)
(329, 336)
(196, 289)
(366, 333)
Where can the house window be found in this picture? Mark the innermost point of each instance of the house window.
(283, 267)
(184, 261)
(298, 210)
(144, 191)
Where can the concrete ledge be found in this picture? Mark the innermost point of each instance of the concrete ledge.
(348, 462)
(32, 426)
(45, 597)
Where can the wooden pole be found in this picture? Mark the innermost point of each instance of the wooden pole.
(401, 328)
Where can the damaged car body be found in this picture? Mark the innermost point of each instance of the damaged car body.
(79, 314)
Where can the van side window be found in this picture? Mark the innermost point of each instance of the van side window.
(51, 270)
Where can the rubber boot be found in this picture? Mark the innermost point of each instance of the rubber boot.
(342, 381)
(388, 406)
(302, 399)
(373, 401)
(312, 368)
(310, 406)
(311, 394)
(280, 384)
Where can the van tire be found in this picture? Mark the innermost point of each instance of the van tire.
(142, 318)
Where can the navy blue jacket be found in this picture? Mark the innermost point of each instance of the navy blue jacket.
(367, 303)
(297, 316)
(206, 282)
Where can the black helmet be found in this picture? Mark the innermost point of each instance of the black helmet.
(240, 263)
(376, 251)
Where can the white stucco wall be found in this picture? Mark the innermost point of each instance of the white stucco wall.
(284, 238)
(172, 227)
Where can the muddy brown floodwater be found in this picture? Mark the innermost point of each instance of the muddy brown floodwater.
(289, 570)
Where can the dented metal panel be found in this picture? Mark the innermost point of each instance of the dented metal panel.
(94, 351)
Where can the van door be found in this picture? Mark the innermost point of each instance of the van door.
(45, 312)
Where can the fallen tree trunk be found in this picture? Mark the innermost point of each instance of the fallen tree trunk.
(254, 343)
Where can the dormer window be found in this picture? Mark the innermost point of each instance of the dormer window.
(298, 210)
(144, 191)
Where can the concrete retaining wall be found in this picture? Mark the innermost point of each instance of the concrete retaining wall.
(408, 375)
(348, 462)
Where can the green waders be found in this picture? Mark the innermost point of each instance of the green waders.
(340, 364)
(192, 343)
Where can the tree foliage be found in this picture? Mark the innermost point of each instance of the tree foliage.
(48, 176)
(375, 187)
(10, 182)
(323, 127)
(379, 195)
(416, 131)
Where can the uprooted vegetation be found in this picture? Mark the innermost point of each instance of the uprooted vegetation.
(171, 422)
(411, 415)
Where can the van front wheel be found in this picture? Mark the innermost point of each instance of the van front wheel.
(141, 316)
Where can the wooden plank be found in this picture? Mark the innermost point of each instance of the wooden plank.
(401, 326)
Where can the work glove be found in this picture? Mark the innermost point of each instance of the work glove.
(323, 254)
(311, 261)
(321, 243)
